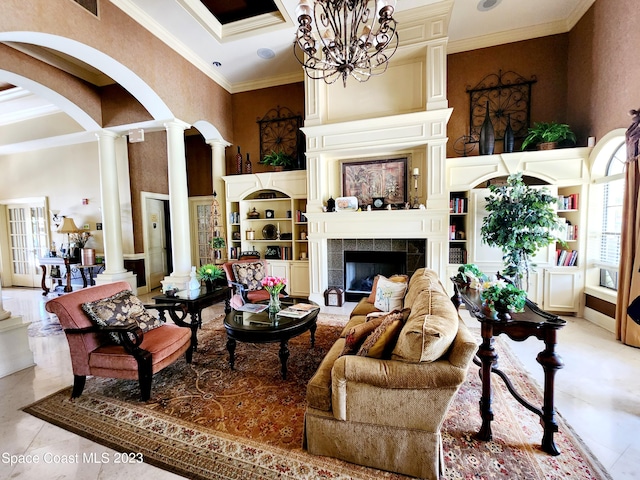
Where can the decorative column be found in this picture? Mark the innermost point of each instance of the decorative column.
(111, 220)
(15, 353)
(219, 170)
(179, 207)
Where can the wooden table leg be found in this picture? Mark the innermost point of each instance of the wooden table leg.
(67, 287)
(488, 357)
(551, 362)
(45, 289)
(284, 356)
(231, 348)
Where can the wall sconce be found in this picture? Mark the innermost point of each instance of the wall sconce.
(416, 175)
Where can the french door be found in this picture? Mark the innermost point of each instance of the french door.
(27, 228)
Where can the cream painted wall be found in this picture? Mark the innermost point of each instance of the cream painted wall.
(42, 127)
(65, 175)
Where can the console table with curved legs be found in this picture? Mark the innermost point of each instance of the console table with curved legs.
(533, 322)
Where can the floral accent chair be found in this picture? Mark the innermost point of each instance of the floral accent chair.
(245, 278)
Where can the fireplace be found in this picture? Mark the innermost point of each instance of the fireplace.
(388, 255)
(361, 267)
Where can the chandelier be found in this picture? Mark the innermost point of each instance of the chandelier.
(338, 38)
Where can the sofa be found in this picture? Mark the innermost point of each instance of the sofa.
(387, 412)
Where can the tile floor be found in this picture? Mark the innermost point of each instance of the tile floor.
(597, 392)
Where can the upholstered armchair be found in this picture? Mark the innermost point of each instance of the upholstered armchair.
(245, 277)
(118, 349)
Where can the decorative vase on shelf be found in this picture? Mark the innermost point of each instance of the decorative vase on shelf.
(247, 166)
(487, 135)
(238, 162)
(508, 137)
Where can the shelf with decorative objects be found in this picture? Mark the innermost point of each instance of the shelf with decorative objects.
(267, 215)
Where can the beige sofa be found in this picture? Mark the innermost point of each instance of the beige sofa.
(387, 413)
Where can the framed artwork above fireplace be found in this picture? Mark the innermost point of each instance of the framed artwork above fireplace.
(369, 179)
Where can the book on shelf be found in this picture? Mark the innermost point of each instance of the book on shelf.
(566, 258)
(458, 205)
(568, 202)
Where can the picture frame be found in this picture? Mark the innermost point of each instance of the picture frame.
(369, 179)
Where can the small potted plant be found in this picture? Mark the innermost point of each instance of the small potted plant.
(209, 273)
(547, 135)
(278, 160)
(504, 298)
(217, 243)
(471, 275)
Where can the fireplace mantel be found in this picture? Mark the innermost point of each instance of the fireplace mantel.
(393, 224)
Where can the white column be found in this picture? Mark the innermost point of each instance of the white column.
(179, 206)
(111, 221)
(15, 353)
(3, 313)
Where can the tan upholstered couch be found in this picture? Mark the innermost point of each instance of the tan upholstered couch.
(387, 414)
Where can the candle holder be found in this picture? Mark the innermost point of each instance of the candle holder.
(416, 200)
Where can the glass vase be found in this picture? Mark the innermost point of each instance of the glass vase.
(274, 302)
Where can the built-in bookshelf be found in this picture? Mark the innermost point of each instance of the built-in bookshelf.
(567, 253)
(458, 210)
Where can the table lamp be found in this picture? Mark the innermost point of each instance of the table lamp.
(68, 226)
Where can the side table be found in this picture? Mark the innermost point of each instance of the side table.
(193, 305)
(533, 322)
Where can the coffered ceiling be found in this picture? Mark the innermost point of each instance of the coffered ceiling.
(248, 44)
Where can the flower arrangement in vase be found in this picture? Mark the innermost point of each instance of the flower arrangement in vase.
(274, 285)
(471, 275)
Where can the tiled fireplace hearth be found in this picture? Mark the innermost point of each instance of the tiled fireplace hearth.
(362, 258)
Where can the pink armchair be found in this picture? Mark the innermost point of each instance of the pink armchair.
(139, 356)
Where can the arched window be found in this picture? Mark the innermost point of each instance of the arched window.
(613, 192)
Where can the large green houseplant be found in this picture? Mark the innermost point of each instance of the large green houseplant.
(521, 221)
(548, 133)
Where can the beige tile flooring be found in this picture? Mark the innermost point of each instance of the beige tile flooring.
(597, 392)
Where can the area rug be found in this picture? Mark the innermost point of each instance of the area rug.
(205, 421)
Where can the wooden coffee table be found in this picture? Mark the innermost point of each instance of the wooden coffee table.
(260, 328)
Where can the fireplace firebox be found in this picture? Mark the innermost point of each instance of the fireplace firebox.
(361, 267)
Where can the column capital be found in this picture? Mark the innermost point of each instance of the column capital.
(107, 134)
(175, 123)
(218, 142)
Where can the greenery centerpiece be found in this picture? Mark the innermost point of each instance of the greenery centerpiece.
(503, 297)
(278, 160)
(548, 133)
(217, 243)
(210, 273)
(471, 275)
(521, 220)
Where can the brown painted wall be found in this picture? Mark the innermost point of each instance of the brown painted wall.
(546, 58)
(248, 108)
(199, 175)
(604, 67)
(148, 173)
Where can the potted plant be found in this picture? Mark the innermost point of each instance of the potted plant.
(504, 298)
(521, 220)
(547, 135)
(471, 275)
(209, 273)
(217, 243)
(278, 160)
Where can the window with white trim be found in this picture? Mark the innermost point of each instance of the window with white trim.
(613, 193)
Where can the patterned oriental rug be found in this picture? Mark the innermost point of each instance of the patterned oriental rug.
(205, 421)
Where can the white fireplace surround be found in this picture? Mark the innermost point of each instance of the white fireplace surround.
(401, 113)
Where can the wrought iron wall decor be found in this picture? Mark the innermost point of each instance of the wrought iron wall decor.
(508, 95)
(280, 132)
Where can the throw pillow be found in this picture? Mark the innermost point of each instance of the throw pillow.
(358, 334)
(389, 295)
(123, 308)
(400, 278)
(381, 342)
(249, 274)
